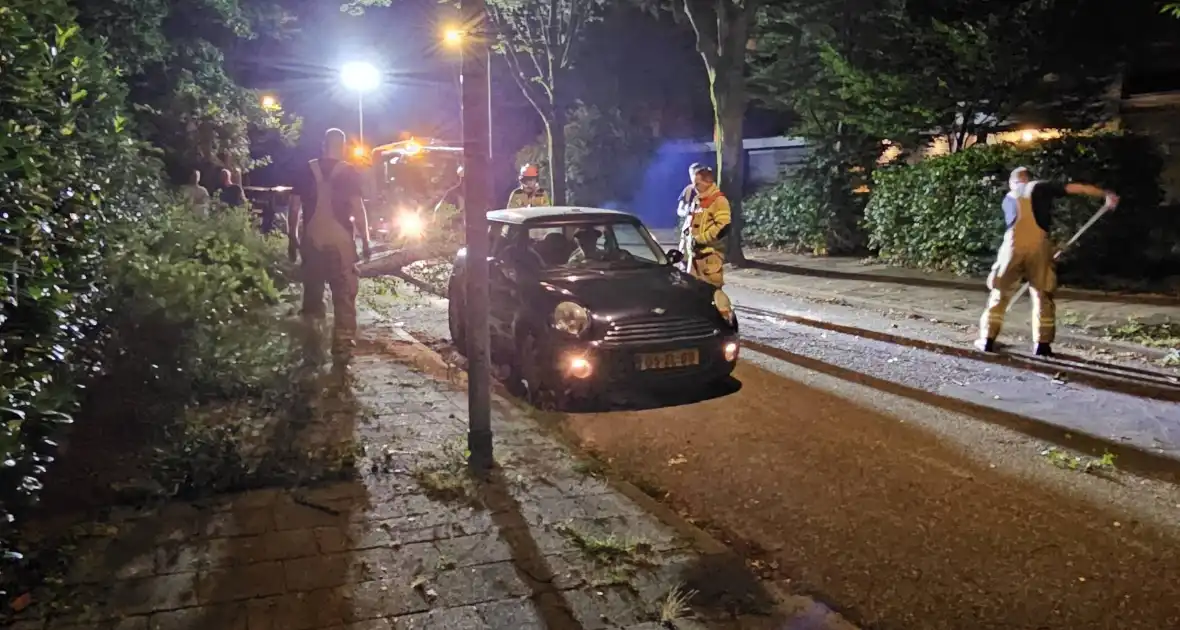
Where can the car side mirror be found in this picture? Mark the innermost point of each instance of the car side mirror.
(675, 256)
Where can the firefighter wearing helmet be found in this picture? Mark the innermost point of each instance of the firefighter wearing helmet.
(707, 228)
(530, 192)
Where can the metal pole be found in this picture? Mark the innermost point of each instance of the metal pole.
(360, 108)
(476, 184)
(491, 142)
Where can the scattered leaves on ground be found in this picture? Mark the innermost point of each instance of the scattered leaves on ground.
(1080, 463)
(445, 476)
(1158, 335)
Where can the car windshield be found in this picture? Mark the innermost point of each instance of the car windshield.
(605, 244)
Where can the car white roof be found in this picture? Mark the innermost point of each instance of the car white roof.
(565, 213)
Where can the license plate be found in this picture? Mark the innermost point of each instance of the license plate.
(667, 360)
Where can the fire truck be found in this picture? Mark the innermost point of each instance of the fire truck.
(410, 182)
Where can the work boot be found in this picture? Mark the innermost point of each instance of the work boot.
(1043, 350)
(985, 345)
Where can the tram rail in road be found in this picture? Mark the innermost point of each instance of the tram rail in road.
(1110, 377)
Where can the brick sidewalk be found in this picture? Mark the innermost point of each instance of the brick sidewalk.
(411, 543)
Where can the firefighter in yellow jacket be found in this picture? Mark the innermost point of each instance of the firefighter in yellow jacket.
(710, 226)
(530, 192)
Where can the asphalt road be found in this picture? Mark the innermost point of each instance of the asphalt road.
(893, 510)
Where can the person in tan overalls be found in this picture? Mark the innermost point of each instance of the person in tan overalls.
(1027, 253)
(329, 197)
(709, 226)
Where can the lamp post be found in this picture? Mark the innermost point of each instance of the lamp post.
(476, 98)
(360, 77)
(457, 38)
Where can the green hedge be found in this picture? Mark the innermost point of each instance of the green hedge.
(945, 213)
(211, 288)
(812, 210)
(69, 170)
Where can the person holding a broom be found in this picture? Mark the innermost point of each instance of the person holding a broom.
(1026, 253)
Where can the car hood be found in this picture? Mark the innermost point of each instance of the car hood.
(615, 293)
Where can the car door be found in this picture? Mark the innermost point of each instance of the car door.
(502, 288)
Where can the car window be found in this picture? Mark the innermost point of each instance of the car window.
(598, 244)
(631, 239)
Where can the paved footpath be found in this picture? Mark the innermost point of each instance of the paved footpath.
(412, 543)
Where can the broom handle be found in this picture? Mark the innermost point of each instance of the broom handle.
(1092, 221)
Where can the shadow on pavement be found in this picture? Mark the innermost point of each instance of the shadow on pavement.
(639, 400)
(528, 560)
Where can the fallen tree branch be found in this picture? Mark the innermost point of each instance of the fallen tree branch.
(391, 262)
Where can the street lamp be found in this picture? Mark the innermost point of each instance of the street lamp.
(360, 77)
(475, 96)
(456, 38)
(269, 102)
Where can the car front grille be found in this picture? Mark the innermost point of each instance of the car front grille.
(658, 330)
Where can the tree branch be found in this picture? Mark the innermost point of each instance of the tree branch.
(579, 12)
(545, 80)
(511, 56)
(552, 40)
(703, 19)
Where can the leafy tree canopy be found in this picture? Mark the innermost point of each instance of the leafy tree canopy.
(900, 69)
(173, 56)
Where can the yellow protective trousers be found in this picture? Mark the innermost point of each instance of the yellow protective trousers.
(335, 268)
(1033, 262)
(709, 267)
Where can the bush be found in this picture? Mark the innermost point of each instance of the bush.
(212, 286)
(812, 210)
(69, 170)
(944, 213)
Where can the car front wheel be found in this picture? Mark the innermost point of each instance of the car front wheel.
(456, 319)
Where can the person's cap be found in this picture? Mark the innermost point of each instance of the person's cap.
(696, 166)
(1014, 177)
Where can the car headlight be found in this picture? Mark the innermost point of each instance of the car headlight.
(724, 306)
(571, 318)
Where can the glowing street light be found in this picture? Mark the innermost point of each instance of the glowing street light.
(358, 151)
(360, 77)
(269, 102)
(453, 36)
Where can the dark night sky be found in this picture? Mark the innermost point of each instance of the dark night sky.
(645, 58)
(420, 91)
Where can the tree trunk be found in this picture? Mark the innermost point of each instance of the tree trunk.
(555, 130)
(728, 85)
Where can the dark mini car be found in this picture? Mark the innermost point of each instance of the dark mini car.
(584, 301)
